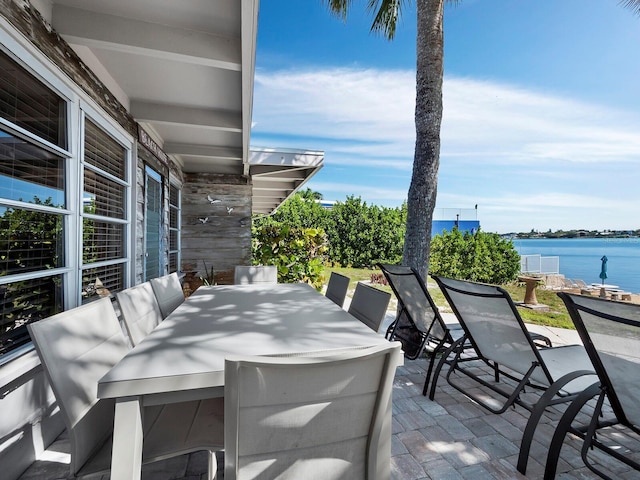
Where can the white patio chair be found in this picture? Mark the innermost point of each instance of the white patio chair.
(77, 348)
(247, 274)
(369, 305)
(305, 417)
(337, 288)
(140, 311)
(168, 292)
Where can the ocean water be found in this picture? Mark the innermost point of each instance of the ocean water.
(580, 258)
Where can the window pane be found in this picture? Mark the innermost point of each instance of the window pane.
(102, 196)
(30, 241)
(173, 262)
(26, 302)
(173, 240)
(26, 102)
(153, 220)
(174, 227)
(102, 241)
(102, 282)
(103, 152)
(173, 217)
(29, 173)
(174, 196)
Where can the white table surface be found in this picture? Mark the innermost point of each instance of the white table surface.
(183, 358)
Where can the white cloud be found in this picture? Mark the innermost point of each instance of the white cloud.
(364, 191)
(517, 152)
(520, 125)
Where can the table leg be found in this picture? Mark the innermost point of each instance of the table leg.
(126, 457)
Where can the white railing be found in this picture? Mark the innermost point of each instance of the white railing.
(539, 264)
(455, 214)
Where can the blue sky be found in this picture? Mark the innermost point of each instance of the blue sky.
(541, 123)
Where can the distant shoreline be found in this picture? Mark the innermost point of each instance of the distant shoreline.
(572, 236)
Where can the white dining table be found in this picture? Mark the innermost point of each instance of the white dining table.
(183, 358)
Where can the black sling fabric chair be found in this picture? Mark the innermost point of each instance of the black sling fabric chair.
(501, 340)
(418, 321)
(610, 332)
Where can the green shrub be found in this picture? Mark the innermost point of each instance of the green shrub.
(362, 235)
(299, 253)
(479, 257)
(359, 235)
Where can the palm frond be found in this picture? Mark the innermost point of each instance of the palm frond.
(632, 4)
(386, 15)
(340, 8)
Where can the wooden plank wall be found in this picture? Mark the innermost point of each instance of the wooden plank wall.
(218, 233)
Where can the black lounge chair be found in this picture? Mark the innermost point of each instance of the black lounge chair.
(610, 332)
(494, 328)
(418, 321)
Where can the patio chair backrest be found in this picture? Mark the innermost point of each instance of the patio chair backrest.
(245, 274)
(414, 299)
(369, 305)
(337, 288)
(140, 311)
(310, 416)
(610, 332)
(494, 326)
(77, 348)
(168, 292)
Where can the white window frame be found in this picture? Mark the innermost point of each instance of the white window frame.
(116, 132)
(173, 183)
(79, 105)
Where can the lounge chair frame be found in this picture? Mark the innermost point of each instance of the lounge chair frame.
(580, 307)
(554, 385)
(431, 329)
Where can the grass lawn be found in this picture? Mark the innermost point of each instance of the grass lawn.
(557, 315)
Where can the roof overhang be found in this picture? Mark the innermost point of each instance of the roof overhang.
(278, 173)
(183, 69)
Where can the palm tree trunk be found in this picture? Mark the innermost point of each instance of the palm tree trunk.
(428, 117)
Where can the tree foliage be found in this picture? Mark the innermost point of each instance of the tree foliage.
(479, 257)
(301, 210)
(31, 240)
(362, 235)
(298, 253)
(358, 234)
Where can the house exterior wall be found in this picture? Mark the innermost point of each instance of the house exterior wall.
(29, 417)
(216, 225)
